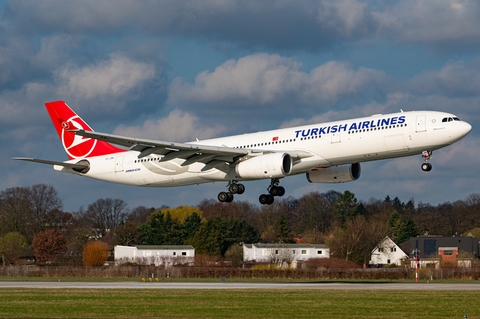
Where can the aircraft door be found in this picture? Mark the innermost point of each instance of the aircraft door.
(119, 164)
(421, 124)
(336, 137)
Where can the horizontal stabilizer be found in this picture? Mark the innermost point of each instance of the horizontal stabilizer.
(69, 165)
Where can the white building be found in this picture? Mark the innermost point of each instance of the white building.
(155, 255)
(283, 253)
(387, 253)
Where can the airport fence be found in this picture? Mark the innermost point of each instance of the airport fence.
(162, 273)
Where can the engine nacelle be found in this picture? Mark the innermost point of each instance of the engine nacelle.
(272, 165)
(85, 167)
(335, 174)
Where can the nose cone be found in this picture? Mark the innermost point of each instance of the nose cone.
(460, 131)
(466, 128)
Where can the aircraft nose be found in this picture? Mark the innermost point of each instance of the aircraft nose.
(466, 128)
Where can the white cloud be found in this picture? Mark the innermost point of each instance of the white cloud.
(115, 77)
(177, 126)
(456, 78)
(269, 78)
(447, 24)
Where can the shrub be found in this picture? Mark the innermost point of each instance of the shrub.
(95, 253)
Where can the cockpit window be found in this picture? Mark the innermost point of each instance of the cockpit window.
(450, 119)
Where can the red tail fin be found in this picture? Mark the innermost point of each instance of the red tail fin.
(65, 119)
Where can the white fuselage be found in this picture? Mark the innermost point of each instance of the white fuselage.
(335, 143)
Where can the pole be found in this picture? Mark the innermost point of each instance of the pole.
(416, 257)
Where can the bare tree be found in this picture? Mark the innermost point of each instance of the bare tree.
(106, 214)
(30, 210)
(14, 206)
(313, 214)
(44, 206)
(346, 242)
(139, 215)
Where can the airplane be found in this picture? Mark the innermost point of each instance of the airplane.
(325, 153)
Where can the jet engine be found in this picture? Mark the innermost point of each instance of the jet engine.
(335, 174)
(272, 165)
(83, 167)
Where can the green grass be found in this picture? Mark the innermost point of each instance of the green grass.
(150, 303)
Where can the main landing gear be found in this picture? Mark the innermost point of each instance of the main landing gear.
(426, 166)
(273, 190)
(233, 188)
(265, 199)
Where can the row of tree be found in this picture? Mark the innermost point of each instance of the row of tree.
(351, 228)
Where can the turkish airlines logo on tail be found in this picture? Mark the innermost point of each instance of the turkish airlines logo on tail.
(76, 146)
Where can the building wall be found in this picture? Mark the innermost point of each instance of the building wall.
(429, 245)
(278, 253)
(387, 253)
(159, 255)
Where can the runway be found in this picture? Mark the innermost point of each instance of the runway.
(236, 285)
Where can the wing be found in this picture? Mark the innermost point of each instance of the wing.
(191, 153)
(210, 155)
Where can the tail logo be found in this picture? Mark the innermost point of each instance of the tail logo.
(76, 146)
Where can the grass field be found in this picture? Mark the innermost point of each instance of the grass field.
(126, 303)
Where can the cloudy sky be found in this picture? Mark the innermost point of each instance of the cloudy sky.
(180, 70)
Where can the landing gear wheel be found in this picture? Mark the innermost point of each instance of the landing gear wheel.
(266, 199)
(229, 198)
(222, 197)
(281, 191)
(241, 189)
(233, 188)
(277, 191)
(426, 167)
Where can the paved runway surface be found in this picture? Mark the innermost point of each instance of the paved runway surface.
(237, 285)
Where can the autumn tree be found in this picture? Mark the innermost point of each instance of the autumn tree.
(12, 246)
(49, 244)
(95, 253)
(181, 213)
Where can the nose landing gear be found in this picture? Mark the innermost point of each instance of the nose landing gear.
(426, 166)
